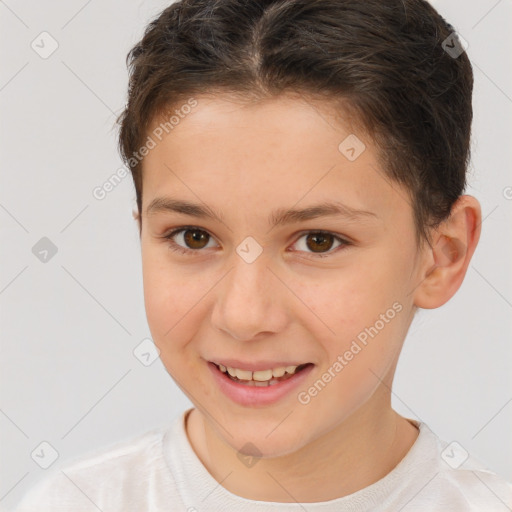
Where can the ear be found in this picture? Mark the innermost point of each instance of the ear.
(447, 260)
(136, 216)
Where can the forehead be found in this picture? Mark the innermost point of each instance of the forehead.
(270, 153)
(291, 116)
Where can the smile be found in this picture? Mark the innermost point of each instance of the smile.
(259, 388)
(261, 378)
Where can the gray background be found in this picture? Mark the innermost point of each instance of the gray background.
(69, 325)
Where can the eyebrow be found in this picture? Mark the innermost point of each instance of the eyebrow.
(278, 217)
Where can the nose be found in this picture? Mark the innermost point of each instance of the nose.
(249, 301)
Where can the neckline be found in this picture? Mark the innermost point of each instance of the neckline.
(197, 486)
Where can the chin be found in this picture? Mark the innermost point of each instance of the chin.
(263, 441)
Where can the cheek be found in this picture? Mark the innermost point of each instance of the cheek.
(172, 303)
(360, 316)
(169, 295)
(343, 302)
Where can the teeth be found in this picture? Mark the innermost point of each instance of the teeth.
(260, 377)
(243, 374)
(279, 372)
(260, 384)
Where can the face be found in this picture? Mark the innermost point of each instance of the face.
(236, 281)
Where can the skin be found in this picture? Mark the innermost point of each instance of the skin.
(244, 161)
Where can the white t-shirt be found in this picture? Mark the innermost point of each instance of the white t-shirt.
(159, 471)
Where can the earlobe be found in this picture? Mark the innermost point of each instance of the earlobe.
(453, 245)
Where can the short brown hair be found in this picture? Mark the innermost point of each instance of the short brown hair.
(386, 61)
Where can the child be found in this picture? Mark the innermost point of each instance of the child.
(299, 168)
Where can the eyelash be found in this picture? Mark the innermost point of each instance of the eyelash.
(178, 248)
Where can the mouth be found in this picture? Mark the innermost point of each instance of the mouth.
(259, 384)
(261, 378)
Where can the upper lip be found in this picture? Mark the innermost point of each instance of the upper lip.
(255, 366)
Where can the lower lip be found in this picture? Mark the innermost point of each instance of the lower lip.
(258, 395)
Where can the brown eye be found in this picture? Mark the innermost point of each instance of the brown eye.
(195, 238)
(188, 240)
(319, 242)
